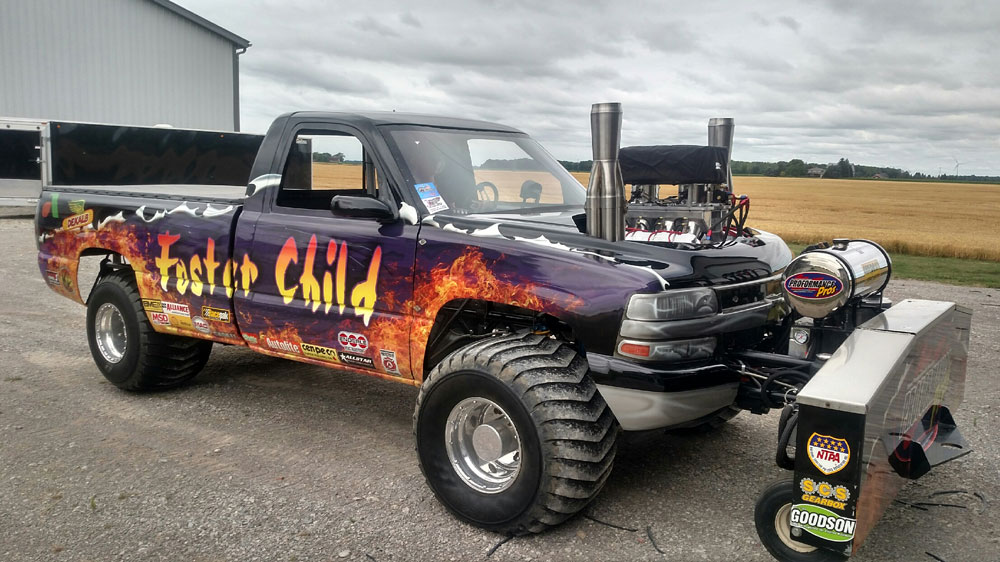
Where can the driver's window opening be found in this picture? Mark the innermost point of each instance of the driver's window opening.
(322, 165)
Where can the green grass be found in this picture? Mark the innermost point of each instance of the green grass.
(954, 271)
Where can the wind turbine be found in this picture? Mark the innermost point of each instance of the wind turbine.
(957, 164)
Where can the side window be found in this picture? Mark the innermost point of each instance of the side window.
(323, 164)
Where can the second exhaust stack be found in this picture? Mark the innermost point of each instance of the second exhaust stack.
(606, 192)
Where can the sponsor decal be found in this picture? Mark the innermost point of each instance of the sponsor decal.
(79, 220)
(389, 361)
(152, 305)
(282, 345)
(216, 314)
(319, 352)
(431, 197)
(77, 206)
(201, 325)
(813, 285)
(359, 360)
(160, 318)
(354, 342)
(824, 493)
(66, 280)
(250, 338)
(823, 523)
(828, 454)
(176, 309)
(52, 277)
(182, 322)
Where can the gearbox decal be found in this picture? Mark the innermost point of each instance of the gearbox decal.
(828, 454)
(814, 285)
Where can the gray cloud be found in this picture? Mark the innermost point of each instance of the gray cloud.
(906, 83)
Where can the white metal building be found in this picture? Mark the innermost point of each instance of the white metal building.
(130, 62)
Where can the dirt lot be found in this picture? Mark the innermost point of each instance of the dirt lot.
(262, 459)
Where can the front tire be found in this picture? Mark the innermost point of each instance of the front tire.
(512, 434)
(128, 352)
(771, 517)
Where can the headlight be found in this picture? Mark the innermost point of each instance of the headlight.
(679, 304)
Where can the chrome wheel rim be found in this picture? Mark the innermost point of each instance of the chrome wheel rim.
(109, 331)
(783, 528)
(483, 446)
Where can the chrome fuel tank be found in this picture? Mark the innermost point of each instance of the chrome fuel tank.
(820, 281)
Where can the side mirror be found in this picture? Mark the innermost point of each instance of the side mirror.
(361, 208)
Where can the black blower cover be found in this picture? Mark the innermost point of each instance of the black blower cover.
(673, 164)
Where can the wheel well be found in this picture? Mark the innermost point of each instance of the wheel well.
(463, 321)
(95, 263)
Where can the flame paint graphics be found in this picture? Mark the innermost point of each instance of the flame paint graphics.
(471, 275)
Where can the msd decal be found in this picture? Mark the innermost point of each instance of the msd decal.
(160, 318)
(828, 454)
(354, 342)
(813, 285)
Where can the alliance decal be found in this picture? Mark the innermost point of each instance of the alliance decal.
(389, 361)
(176, 309)
(814, 285)
(223, 315)
(823, 523)
(828, 454)
(358, 360)
(319, 352)
(353, 342)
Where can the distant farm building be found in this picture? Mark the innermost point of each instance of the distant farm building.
(881, 176)
(816, 172)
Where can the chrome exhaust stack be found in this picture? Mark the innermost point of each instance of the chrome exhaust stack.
(720, 133)
(606, 192)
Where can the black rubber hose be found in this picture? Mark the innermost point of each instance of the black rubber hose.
(781, 457)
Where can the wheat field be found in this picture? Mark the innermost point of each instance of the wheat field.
(919, 218)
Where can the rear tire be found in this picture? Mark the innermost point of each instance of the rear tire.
(128, 352)
(528, 393)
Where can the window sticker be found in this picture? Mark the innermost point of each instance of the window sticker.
(432, 199)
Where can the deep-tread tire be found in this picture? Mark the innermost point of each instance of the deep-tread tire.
(567, 432)
(152, 361)
(779, 494)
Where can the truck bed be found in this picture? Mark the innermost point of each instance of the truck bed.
(228, 194)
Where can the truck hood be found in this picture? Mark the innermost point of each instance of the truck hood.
(678, 265)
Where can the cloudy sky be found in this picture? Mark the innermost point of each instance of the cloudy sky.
(912, 84)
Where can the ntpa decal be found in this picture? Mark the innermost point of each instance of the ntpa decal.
(828, 454)
(814, 285)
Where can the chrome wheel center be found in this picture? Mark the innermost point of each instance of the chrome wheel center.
(483, 445)
(109, 331)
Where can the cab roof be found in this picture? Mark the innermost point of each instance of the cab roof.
(382, 118)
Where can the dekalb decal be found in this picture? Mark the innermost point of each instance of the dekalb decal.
(813, 285)
(823, 523)
(828, 454)
(78, 221)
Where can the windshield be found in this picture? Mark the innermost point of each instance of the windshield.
(467, 172)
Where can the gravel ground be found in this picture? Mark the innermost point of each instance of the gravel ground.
(263, 459)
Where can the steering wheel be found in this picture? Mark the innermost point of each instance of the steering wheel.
(485, 201)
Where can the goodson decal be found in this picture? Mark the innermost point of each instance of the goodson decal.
(823, 523)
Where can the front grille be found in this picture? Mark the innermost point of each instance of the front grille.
(748, 293)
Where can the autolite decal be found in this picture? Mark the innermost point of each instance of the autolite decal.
(359, 360)
(326, 292)
(176, 309)
(814, 285)
(216, 314)
(828, 454)
(822, 522)
(353, 342)
(78, 221)
(200, 273)
(282, 345)
(319, 352)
